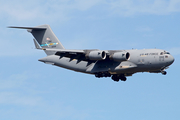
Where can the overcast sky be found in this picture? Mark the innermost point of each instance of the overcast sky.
(31, 90)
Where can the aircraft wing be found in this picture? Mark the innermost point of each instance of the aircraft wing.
(91, 55)
(87, 55)
(80, 55)
(72, 54)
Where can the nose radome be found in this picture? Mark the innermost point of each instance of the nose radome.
(172, 59)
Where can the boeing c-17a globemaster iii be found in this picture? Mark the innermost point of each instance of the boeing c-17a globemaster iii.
(117, 64)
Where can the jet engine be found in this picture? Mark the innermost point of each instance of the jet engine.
(120, 56)
(96, 55)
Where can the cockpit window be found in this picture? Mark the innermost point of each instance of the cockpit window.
(165, 52)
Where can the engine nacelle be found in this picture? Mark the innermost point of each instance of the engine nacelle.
(120, 56)
(96, 55)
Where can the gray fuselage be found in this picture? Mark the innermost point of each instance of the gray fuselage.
(145, 60)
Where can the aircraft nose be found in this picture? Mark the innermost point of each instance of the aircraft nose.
(171, 60)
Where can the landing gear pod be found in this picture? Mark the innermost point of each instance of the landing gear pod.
(96, 55)
(120, 56)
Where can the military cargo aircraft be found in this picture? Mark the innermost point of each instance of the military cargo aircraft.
(117, 64)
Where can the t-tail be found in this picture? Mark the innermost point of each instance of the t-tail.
(44, 38)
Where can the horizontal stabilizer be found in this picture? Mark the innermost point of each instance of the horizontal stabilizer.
(32, 28)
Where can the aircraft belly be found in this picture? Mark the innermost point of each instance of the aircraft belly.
(125, 67)
(112, 67)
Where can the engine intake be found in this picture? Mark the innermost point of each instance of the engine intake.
(96, 55)
(120, 56)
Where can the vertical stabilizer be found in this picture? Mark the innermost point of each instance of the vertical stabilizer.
(44, 37)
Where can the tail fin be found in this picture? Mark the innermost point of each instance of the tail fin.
(45, 37)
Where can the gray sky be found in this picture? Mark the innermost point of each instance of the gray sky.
(32, 90)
